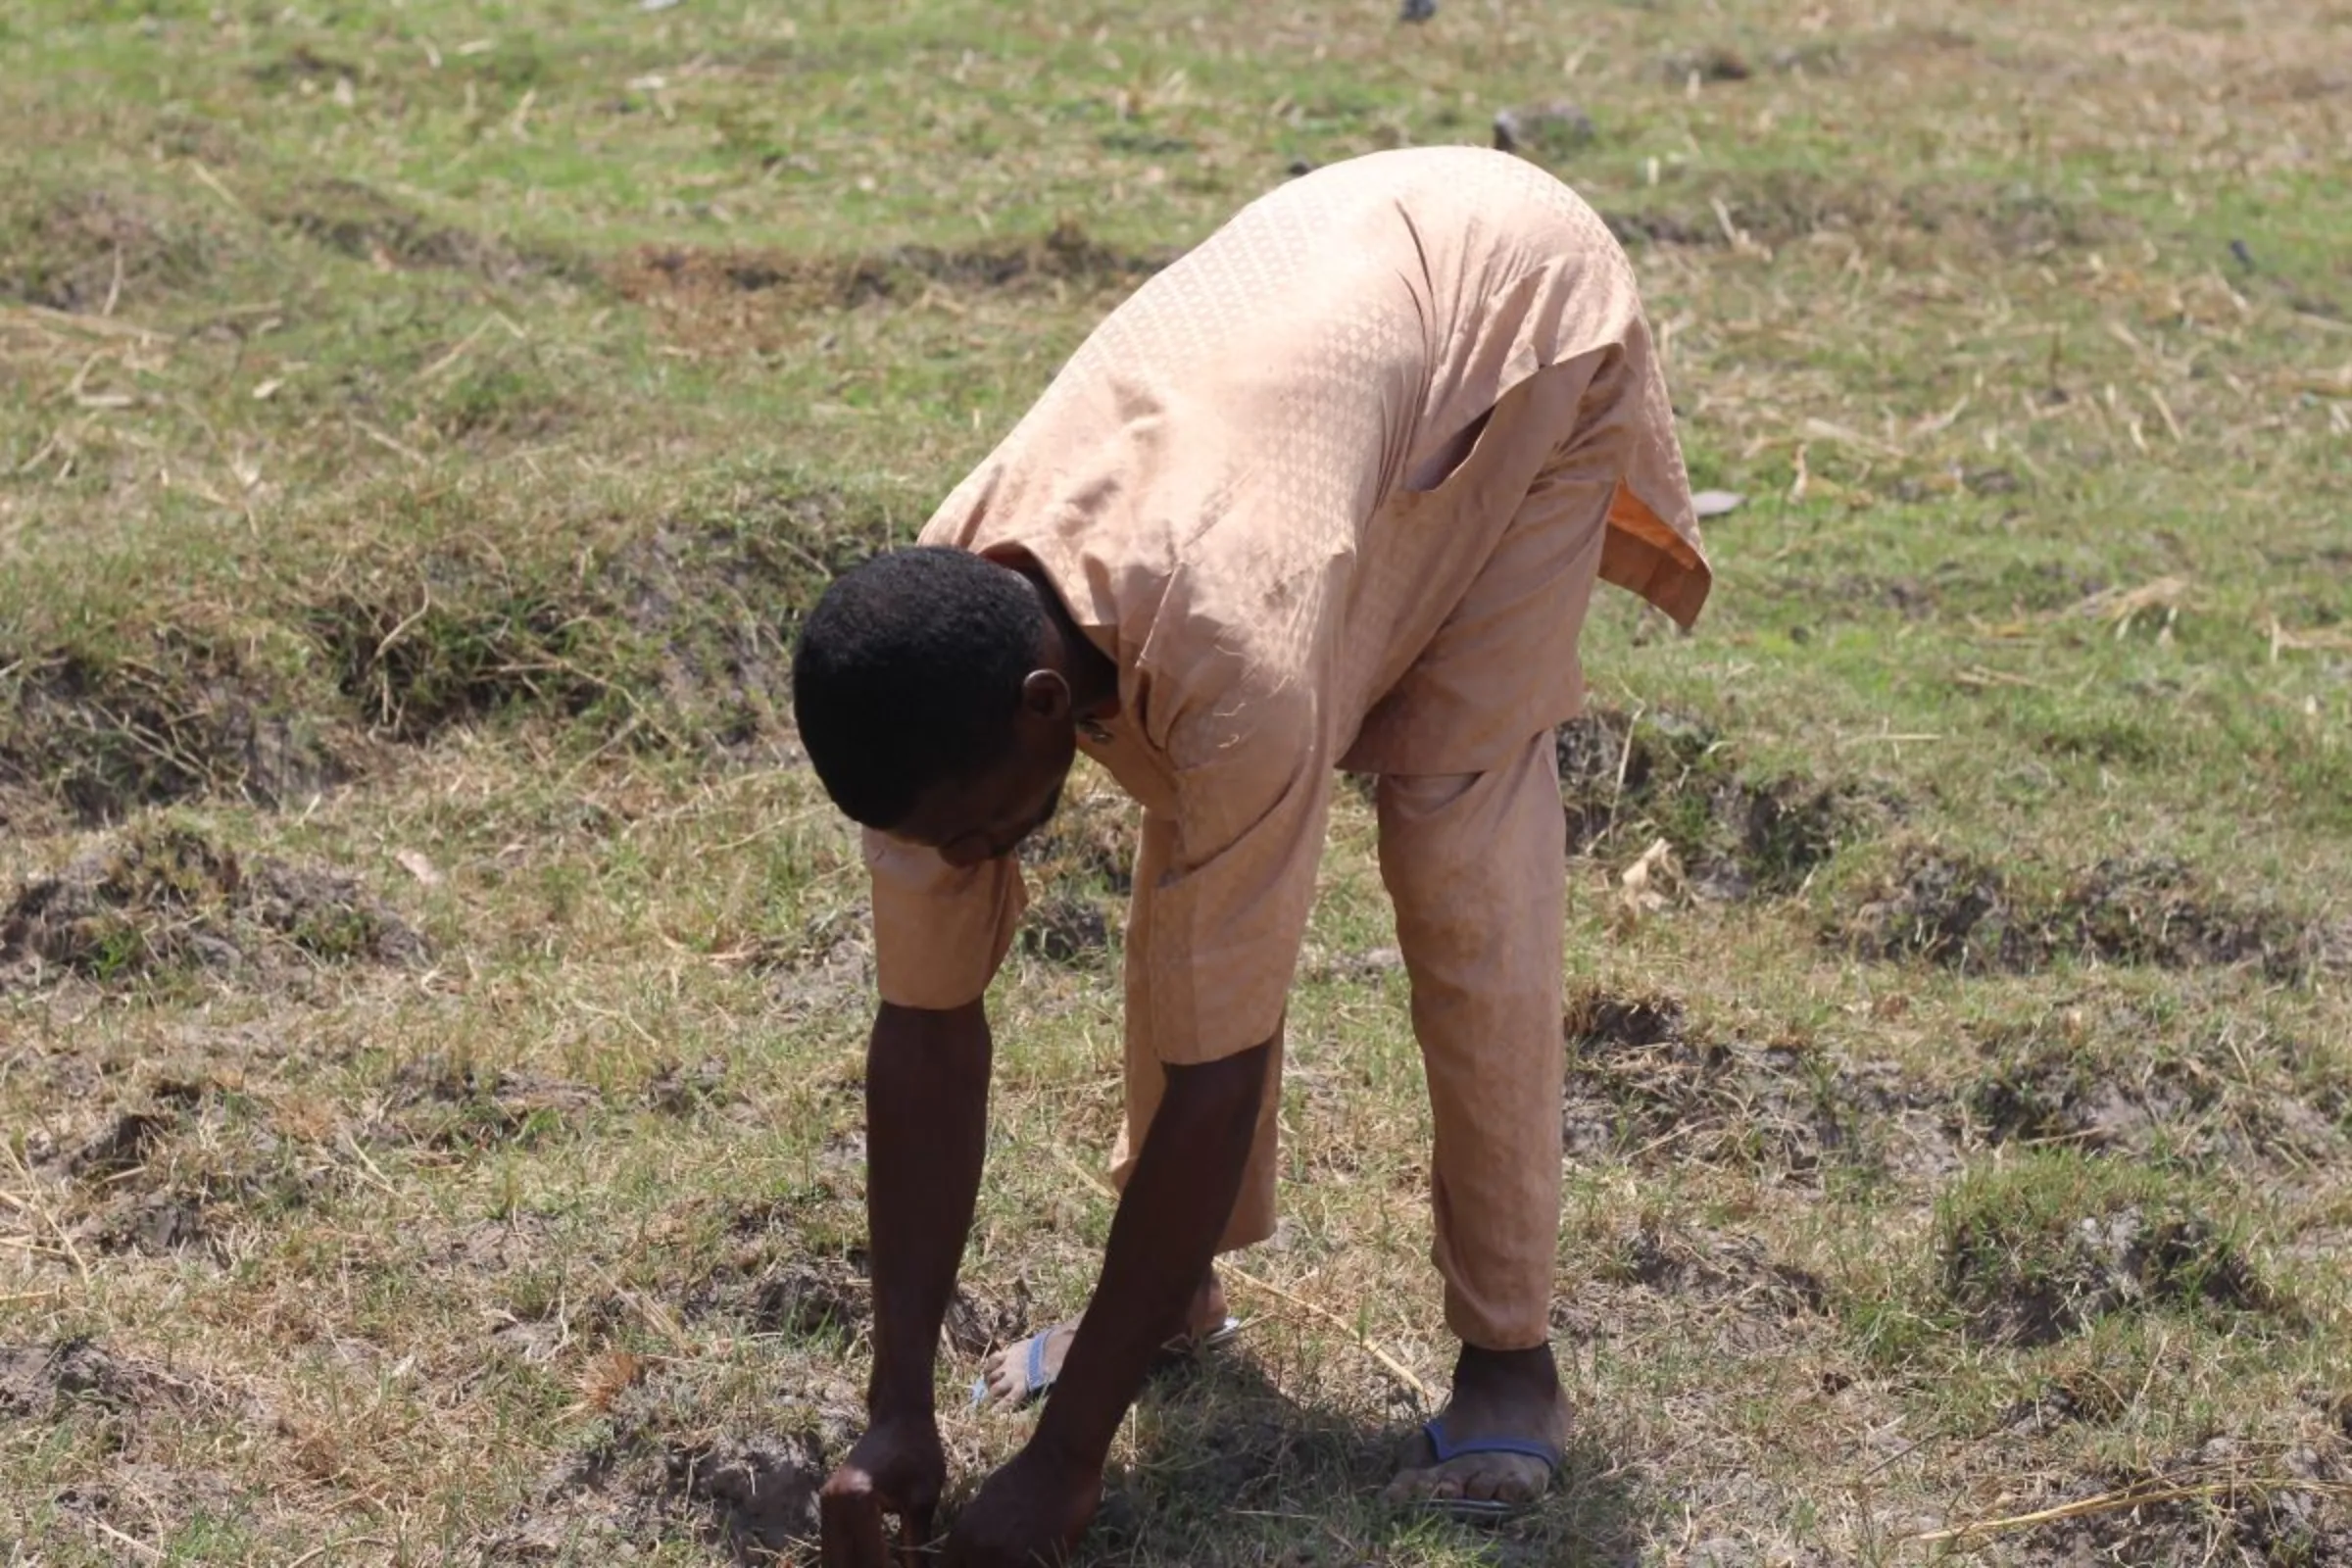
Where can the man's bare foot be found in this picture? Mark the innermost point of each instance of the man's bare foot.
(1020, 1369)
(1511, 1396)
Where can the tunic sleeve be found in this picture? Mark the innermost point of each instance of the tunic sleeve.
(940, 933)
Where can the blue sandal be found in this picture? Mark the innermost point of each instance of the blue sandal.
(1485, 1509)
(1036, 1380)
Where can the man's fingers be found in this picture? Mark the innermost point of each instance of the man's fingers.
(914, 1538)
(850, 1530)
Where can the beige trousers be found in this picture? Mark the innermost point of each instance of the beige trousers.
(1475, 866)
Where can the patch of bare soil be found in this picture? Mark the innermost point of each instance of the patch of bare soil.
(2020, 1281)
(664, 1474)
(448, 1104)
(1727, 1287)
(77, 1382)
(2153, 911)
(163, 896)
(2221, 1504)
(1643, 1087)
(185, 716)
(1711, 1267)
(1627, 778)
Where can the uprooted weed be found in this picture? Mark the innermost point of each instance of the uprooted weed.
(1628, 777)
(165, 896)
(2157, 912)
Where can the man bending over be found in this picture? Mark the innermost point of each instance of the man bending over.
(1330, 493)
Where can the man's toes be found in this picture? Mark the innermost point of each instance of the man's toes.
(1414, 1482)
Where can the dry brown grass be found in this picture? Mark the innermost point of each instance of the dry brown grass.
(430, 421)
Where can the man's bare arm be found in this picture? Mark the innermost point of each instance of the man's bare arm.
(926, 1137)
(1178, 1200)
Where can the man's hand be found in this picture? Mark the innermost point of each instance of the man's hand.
(1030, 1512)
(896, 1468)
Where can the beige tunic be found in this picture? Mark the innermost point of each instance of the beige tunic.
(1286, 487)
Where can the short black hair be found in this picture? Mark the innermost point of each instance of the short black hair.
(907, 675)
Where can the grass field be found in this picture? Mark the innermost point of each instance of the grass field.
(432, 990)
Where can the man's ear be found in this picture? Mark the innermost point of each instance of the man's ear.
(1046, 695)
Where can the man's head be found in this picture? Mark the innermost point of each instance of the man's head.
(930, 691)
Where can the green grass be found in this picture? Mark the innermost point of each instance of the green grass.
(427, 422)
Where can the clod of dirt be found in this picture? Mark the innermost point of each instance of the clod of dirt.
(1089, 846)
(776, 1288)
(103, 736)
(301, 63)
(1628, 777)
(677, 636)
(1940, 906)
(2050, 1091)
(1713, 64)
(1063, 929)
(2059, 1405)
(163, 896)
(761, 1491)
(38, 1381)
(459, 649)
(2155, 911)
(122, 1146)
(157, 1225)
(1640, 1087)
(2029, 1261)
(803, 1303)
(1960, 912)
